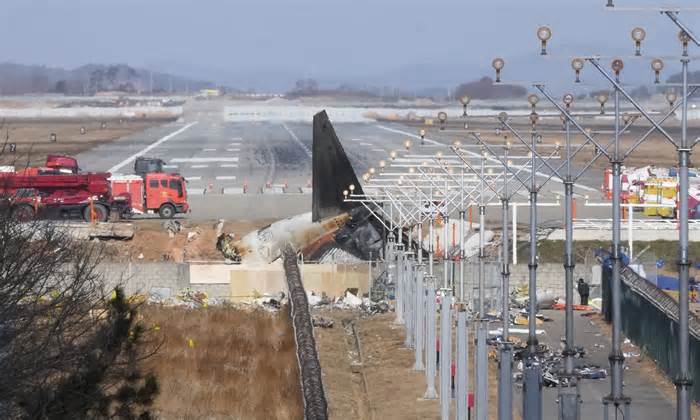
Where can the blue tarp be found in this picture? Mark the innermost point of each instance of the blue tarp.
(664, 282)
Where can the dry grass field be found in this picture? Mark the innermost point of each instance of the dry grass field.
(33, 138)
(225, 363)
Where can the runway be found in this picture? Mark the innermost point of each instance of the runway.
(262, 169)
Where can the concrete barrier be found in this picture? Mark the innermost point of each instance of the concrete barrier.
(234, 282)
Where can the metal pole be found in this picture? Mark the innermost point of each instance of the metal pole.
(445, 259)
(462, 385)
(369, 276)
(409, 286)
(630, 231)
(532, 374)
(420, 318)
(505, 382)
(482, 380)
(616, 357)
(431, 240)
(445, 354)
(481, 334)
(399, 283)
(420, 244)
(461, 254)
(515, 233)
(569, 401)
(409, 278)
(683, 381)
(430, 392)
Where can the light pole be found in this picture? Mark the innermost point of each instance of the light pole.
(464, 100)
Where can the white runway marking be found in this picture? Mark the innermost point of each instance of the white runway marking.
(209, 150)
(150, 147)
(366, 144)
(233, 150)
(379, 150)
(205, 160)
(355, 139)
(427, 140)
(170, 166)
(235, 144)
(228, 165)
(225, 178)
(193, 178)
(199, 166)
(296, 139)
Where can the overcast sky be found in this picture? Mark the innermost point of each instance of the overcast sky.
(270, 43)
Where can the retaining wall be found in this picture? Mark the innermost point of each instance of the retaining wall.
(234, 282)
(550, 276)
(244, 282)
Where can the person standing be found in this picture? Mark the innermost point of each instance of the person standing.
(583, 291)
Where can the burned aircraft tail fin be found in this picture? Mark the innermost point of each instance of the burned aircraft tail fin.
(332, 171)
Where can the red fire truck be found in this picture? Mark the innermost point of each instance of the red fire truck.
(151, 190)
(59, 190)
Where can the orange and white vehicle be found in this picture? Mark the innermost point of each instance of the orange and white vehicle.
(154, 191)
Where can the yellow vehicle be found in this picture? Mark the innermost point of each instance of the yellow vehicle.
(660, 191)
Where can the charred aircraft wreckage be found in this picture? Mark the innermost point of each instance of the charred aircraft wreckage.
(334, 229)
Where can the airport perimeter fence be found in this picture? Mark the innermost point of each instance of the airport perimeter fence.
(650, 320)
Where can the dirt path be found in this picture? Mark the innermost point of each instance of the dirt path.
(394, 389)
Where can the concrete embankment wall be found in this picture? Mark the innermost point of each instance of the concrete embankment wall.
(243, 282)
(235, 282)
(551, 276)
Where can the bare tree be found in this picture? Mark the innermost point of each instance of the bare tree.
(66, 349)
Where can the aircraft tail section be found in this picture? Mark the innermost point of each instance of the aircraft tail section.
(332, 171)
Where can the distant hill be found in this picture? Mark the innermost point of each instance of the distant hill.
(485, 88)
(19, 79)
(693, 77)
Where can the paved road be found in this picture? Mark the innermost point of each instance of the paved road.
(647, 401)
(269, 161)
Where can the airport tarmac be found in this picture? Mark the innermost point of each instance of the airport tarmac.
(263, 169)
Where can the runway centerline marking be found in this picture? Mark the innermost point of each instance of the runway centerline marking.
(228, 165)
(199, 166)
(225, 178)
(233, 150)
(491, 159)
(150, 147)
(209, 150)
(205, 159)
(296, 139)
(193, 178)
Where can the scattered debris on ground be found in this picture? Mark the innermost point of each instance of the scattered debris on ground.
(183, 240)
